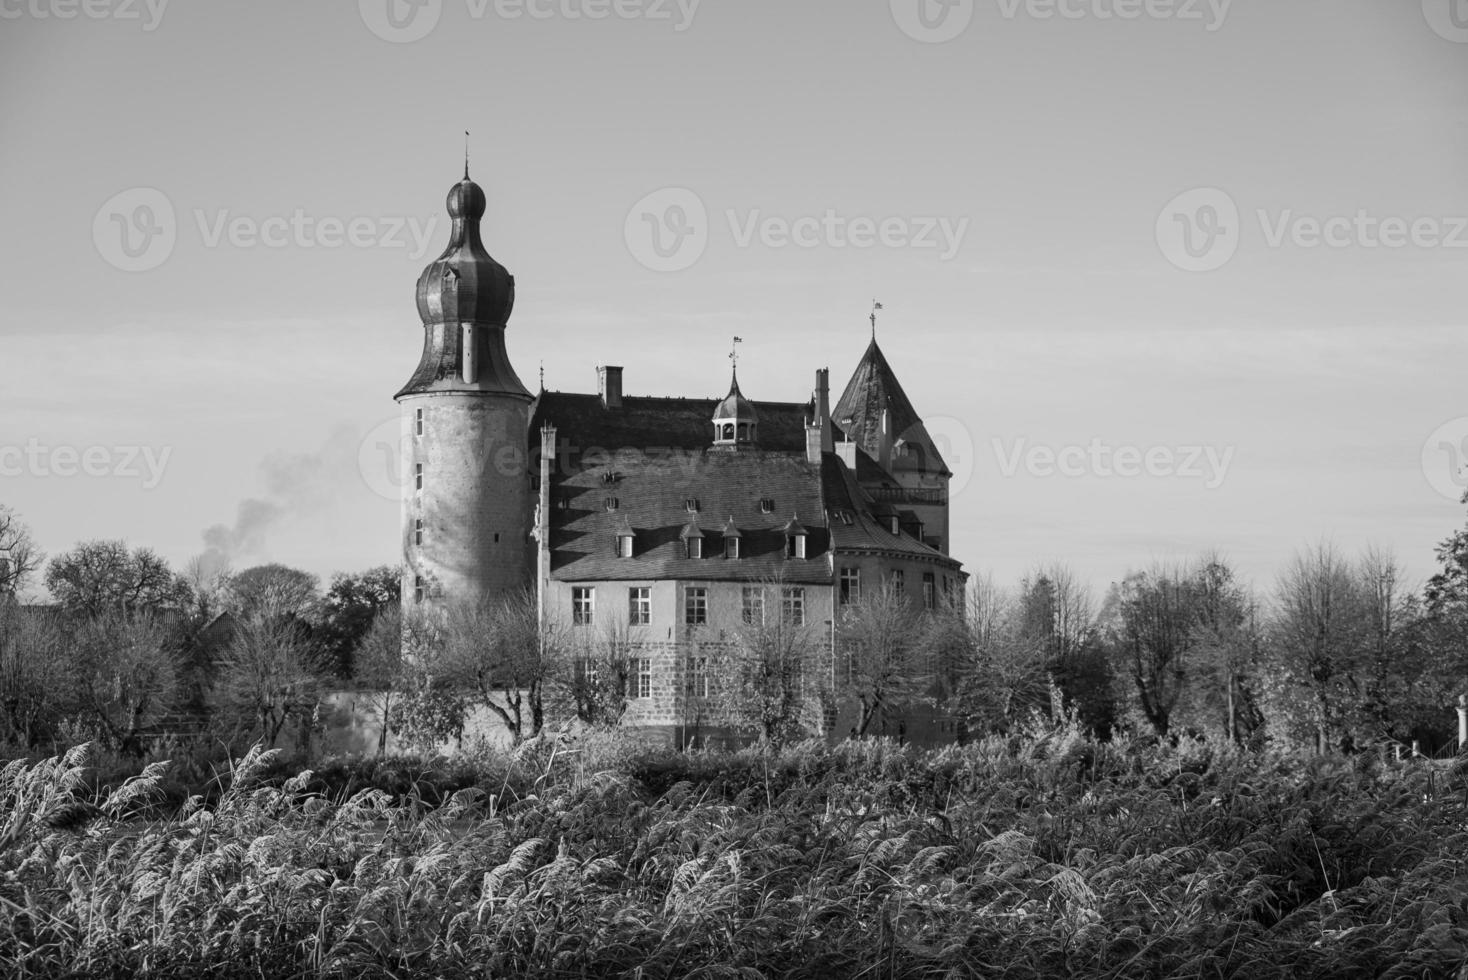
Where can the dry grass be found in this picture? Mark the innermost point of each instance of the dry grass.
(1056, 857)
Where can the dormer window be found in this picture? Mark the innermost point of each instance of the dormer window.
(692, 541)
(611, 503)
(767, 505)
(731, 540)
(795, 536)
(626, 541)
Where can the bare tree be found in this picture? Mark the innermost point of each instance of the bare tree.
(274, 591)
(99, 576)
(772, 674)
(996, 673)
(126, 676)
(597, 671)
(498, 650)
(1158, 615)
(268, 676)
(1318, 647)
(878, 654)
(208, 581)
(19, 557)
(35, 691)
(380, 669)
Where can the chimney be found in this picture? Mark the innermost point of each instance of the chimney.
(609, 385)
(846, 449)
(818, 439)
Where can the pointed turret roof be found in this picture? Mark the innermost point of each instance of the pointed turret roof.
(872, 389)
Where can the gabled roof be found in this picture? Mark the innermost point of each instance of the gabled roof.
(872, 389)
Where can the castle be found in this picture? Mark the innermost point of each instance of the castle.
(665, 518)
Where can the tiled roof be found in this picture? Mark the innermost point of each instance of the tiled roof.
(653, 498)
(647, 423)
(656, 460)
(874, 388)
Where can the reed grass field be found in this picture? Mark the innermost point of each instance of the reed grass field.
(1049, 856)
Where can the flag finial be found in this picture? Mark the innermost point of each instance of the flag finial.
(875, 307)
(466, 154)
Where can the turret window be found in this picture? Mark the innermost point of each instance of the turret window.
(930, 590)
(418, 421)
(417, 476)
(418, 531)
(418, 588)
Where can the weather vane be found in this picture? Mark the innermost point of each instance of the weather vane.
(875, 307)
(734, 352)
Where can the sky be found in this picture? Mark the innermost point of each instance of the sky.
(1164, 277)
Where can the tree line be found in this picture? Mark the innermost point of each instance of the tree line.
(1337, 654)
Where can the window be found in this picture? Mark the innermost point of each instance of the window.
(418, 421)
(583, 605)
(418, 531)
(417, 476)
(418, 589)
(691, 505)
(641, 678)
(792, 606)
(731, 547)
(611, 503)
(753, 611)
(693, 547)
(930, 591)
(696, 606)
(899, 582)
(795, 546)
(639, 606)
(767, 505)
(624, 545)
(698, 677)
(850, 588)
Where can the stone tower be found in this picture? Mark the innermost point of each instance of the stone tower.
(467, 498)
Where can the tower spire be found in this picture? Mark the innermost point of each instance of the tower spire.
(466, 154)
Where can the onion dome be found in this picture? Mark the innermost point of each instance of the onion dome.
(465, 285)
(735, 419)
(464, 300)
